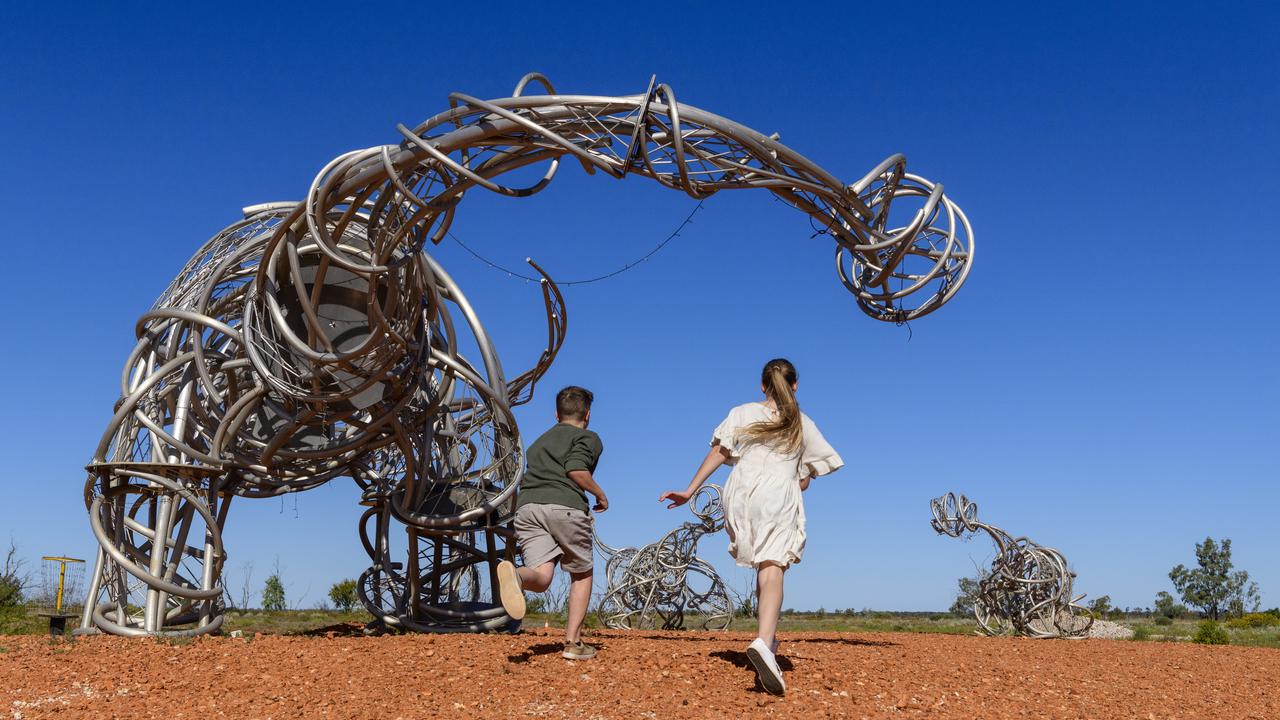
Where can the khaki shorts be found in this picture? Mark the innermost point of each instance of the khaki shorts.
(546, 531)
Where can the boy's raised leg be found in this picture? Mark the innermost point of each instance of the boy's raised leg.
(510, 591)
(537, 579)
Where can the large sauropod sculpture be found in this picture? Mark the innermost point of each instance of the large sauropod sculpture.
(318, 339)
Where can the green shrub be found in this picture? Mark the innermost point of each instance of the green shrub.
(1142, 632)
(10, 592)
(1254, 620)
(344, 595)
(13, 581)
(1162, 620)
(273, 594)
(1168, 607)
(1211, 633)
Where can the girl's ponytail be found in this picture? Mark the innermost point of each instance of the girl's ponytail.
(787, 432)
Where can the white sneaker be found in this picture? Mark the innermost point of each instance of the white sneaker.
(509, 590)
(766, 666)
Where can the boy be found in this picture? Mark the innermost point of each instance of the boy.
(552, 520)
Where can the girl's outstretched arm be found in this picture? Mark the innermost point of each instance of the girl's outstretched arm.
(716, 457)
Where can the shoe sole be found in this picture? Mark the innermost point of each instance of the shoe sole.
(572, 656)
(509, 591)
(771, 682)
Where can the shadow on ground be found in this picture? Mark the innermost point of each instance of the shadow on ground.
(739, 660)
(534, 651)
(339, 630)
(694, 637)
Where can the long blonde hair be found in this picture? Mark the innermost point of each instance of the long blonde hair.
(785, 433)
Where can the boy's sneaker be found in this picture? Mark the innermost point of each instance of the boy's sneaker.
(766, 666)
(509, 590)
(578, 651)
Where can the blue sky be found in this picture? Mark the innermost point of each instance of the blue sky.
(1105, 383)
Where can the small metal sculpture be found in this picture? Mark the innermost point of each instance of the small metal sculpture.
(316, 340)
(657, 585)
(1028, 588)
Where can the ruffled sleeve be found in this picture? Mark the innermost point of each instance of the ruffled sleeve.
(726, 435)
(818, 457)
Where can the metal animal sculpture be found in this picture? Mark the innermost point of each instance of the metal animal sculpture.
(657, 585)
(1028, 588)
(318, 339)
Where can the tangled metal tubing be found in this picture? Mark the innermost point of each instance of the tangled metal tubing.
(317, 339)
(657, 585)
(1028, 588)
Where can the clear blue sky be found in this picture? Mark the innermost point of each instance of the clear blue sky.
(1105, 383)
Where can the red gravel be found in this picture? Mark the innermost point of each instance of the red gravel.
(636, 675)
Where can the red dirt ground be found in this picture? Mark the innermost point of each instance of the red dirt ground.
(636, 675)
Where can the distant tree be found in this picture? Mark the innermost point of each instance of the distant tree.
(273, 594)
(13, 579)
(968, 592)
(343, 594)
(1248, 600)
(1212, 586)
(246, 571)
(1101, 606)
(1166, 606)
(747, 601)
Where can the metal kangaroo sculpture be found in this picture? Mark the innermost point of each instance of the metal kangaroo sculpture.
(1028, 588)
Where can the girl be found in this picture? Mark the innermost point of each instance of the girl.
(775, 450)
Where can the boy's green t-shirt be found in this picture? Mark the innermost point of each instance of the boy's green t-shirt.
(549, 460)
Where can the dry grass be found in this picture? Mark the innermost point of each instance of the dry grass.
(24, 621)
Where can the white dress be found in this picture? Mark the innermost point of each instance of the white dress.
(763, 511)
